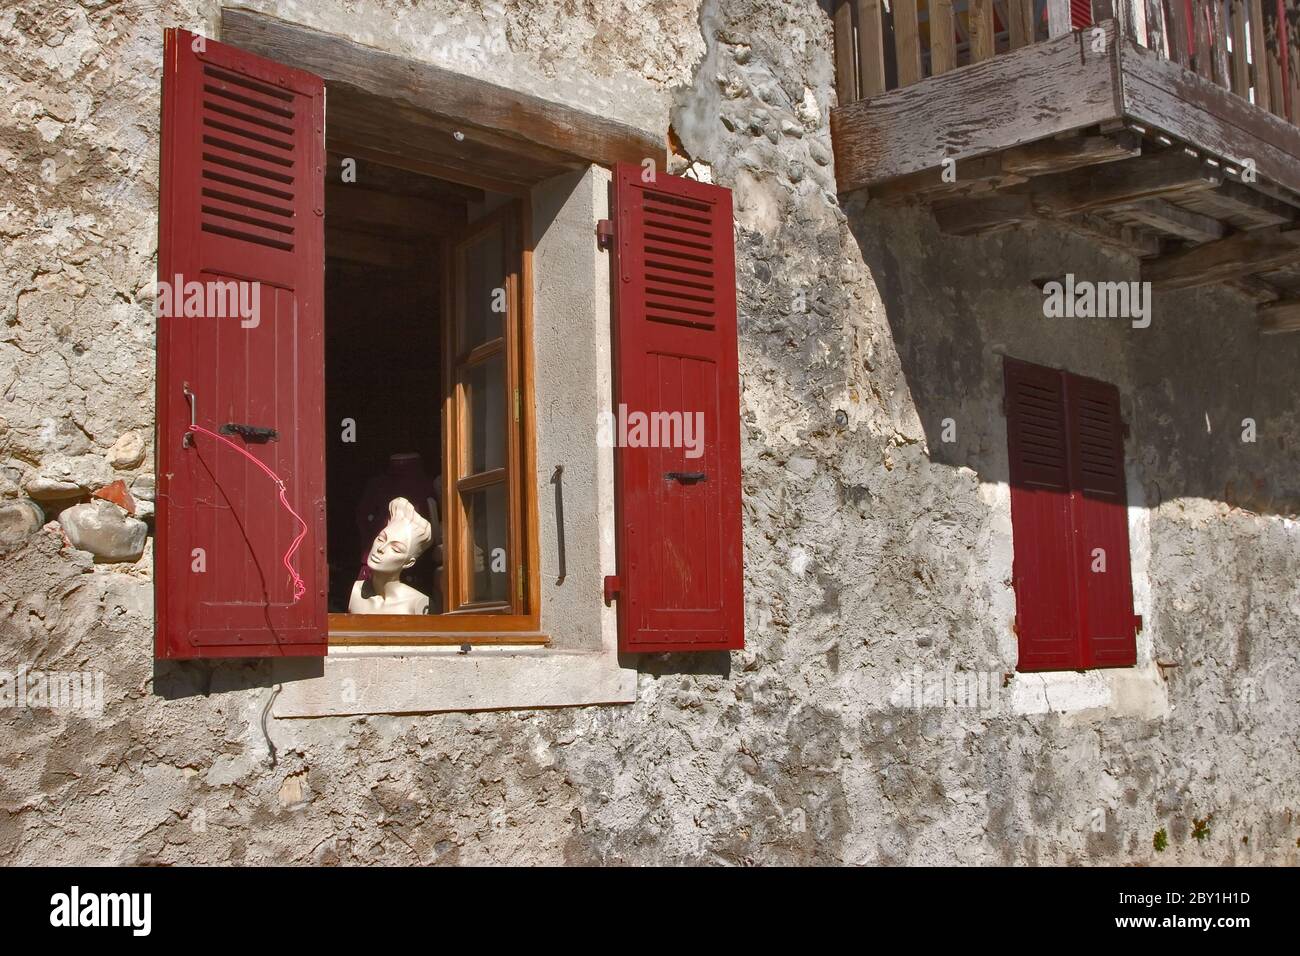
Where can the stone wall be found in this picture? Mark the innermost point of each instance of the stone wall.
(874, 549)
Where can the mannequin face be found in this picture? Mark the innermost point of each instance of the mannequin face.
(391, 551)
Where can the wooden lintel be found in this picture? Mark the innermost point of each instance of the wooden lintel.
(1260, 250)
(1280, 316)
(458, 97)
(1165, 173)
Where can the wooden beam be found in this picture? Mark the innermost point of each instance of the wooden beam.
(1280, 316)
(1242, 206)
(353, 204)
(1070, 152)
(943, 49)
(982, 174)
(1160, 95)
(1120, 183)
(983, 215)
(528, 120)
(400, 182)
(1016, 98)
(1126, 239)
(1260, 250)
(871, 47)
(1162, 215)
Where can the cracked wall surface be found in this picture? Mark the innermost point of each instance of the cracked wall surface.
(874, 549)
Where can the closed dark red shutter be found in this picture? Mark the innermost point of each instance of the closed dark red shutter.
(1071, 571)
(1042, 537)
(242, 198)
(1105, 584)
(680, 558)
(1080, 14)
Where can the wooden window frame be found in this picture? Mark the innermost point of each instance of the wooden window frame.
(520, 625)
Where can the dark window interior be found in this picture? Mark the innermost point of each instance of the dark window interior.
(384, 315)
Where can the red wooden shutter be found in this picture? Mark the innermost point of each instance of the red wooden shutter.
(680, 580)
(1080, 14)
(1105, 586)
(242, 199)
(1042, 537)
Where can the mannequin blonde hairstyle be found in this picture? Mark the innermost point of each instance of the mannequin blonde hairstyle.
(402, 512)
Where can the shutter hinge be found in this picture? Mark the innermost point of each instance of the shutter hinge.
(1137, 623)
(612, 588)
(605, 234)
(1123, 430)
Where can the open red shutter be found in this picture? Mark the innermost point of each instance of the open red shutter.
(1105, 586)
(1043, 572)
(242, 199)
(680, 581)
(1080, 14)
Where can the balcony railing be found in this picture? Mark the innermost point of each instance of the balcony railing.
(1164, 128)
(1251, 47)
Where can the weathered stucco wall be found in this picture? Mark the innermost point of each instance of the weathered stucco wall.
(873, 547)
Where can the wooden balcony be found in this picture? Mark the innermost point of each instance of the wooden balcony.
(1166, 128)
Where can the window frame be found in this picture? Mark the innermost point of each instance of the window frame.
(475, 626)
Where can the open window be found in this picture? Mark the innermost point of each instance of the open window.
(358, 465)
(424, 395)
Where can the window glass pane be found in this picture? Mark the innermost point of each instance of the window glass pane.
(489, 537)
(485, 415)
(483, 302)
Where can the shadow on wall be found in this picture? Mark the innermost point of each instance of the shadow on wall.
(177, 680)
(1187, 382)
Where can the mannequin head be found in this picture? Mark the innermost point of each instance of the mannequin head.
(402, 540)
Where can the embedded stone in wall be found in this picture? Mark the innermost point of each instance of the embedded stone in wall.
(19, 520)
(127, 452)
(117, 493)
(68, 477)
(105, 530)
(142, 490)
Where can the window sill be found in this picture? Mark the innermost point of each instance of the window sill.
(1114, 692)
(429, 679)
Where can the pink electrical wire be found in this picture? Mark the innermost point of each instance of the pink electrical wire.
(299, 588)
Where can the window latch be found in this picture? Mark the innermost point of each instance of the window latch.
(253, 434)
